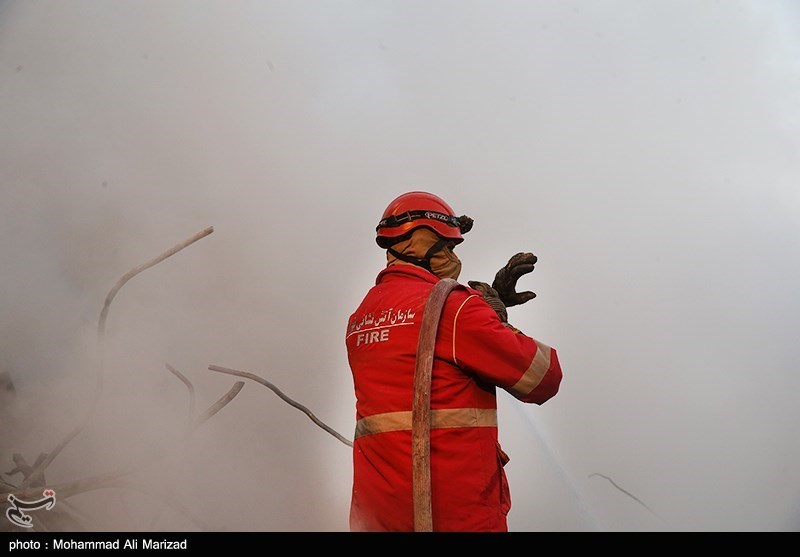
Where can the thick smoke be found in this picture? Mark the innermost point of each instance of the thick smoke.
(647, 152)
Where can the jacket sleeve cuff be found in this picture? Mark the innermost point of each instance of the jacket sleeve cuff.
(542, 379)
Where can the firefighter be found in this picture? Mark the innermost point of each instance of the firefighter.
(476, 351)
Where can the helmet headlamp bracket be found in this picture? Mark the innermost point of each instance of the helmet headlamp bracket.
(463, 223)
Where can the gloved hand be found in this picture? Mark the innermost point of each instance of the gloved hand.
(505, 281)
(491, 297)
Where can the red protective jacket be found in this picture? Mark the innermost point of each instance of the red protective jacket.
(474, 354)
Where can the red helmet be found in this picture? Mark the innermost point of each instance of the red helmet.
(415, 209)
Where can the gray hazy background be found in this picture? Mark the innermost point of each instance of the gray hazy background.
(646, 151)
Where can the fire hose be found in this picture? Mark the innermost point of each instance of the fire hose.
(421, 407)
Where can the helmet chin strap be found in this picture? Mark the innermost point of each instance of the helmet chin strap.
(425, 262)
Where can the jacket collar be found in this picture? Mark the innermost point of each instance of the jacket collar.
(406, 271)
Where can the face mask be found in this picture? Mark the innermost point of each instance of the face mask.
(427, 250)
(446, 264)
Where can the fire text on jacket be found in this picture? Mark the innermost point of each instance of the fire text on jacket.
(374, 326)
(369, 337)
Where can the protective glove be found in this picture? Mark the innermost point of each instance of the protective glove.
(505, 281)
(490, 295)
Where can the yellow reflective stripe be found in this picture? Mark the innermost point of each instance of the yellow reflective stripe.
(535, 372)
(381, 423)
(463, 417)
(440, 419)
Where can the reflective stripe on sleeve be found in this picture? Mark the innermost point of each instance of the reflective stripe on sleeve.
(535, 372)
(440, 419)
